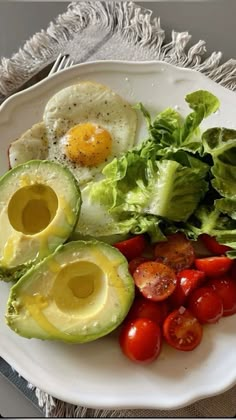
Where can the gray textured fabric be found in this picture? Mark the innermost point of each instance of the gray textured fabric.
(96, 31)
(18, 381)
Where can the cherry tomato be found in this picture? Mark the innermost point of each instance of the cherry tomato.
(225, 287)
(214, 266)
(187, 281)
(140, 340)
(133, 264)
(133, 247)
(144, 308)
(206, 305)
(213, 246)
(182, 330)
(177, 252)
(155, 280)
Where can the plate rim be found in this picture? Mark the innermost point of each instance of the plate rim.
(136, 64)
(89, 403)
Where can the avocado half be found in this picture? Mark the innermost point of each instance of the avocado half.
(79, 293)
(39, 207)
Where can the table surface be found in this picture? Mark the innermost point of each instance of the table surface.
(193, 16)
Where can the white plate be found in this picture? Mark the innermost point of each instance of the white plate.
(97, 374)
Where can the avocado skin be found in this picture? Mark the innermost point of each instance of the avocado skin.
(14, 307)
(13, 274)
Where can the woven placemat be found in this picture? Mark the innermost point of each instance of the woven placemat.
(91, 31)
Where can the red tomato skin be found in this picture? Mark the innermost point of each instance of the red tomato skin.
(177, 252)
(133, 247)
(187, 281)
(214, 266)
(213, 246)
(225, 287)
(182, 330)
(206, 305)
(133, 264)
(144, 308)
(140, 340)
(156, 281)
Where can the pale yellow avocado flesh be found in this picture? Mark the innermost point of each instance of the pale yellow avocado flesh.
(32, 208)
(39, 207)
(80, 293)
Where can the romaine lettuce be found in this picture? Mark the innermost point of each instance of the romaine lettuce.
(208, 219)
(97, 222)
(220, 143)
(160, 188)
(170, 130)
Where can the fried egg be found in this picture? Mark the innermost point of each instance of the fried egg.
(87, 126)
(84, 127)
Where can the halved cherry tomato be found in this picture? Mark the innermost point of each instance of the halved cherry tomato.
(144, 308)
(212, 245)
(182, 330)
(132, 248)
(140, 340)
(187, 281)
(225, 287)
(156, 281)
(214, 266)
(206, 305)
(177, 252)
(133, 264)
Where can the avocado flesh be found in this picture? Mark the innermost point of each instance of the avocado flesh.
(39, 208)
(79, 293)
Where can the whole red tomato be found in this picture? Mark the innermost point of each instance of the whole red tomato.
(225, 287)
(140, 340)
(206, 305)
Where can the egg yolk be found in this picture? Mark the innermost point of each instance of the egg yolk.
(88, 144)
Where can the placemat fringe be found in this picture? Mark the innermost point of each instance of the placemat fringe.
(134, 24)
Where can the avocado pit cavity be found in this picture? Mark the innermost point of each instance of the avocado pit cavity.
(32, 208)
(80, 286)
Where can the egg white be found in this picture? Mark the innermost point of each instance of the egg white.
(94, 103)
(32, 144)
(95, 221)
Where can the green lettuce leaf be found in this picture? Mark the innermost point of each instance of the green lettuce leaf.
(220, 143)
(203, 104)
(97, 222)
(170, 130)
(224, 180)
(160, 188)
(208, 219)
(226, 206)
(177, 191)
(189, 160)
(214, 138)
